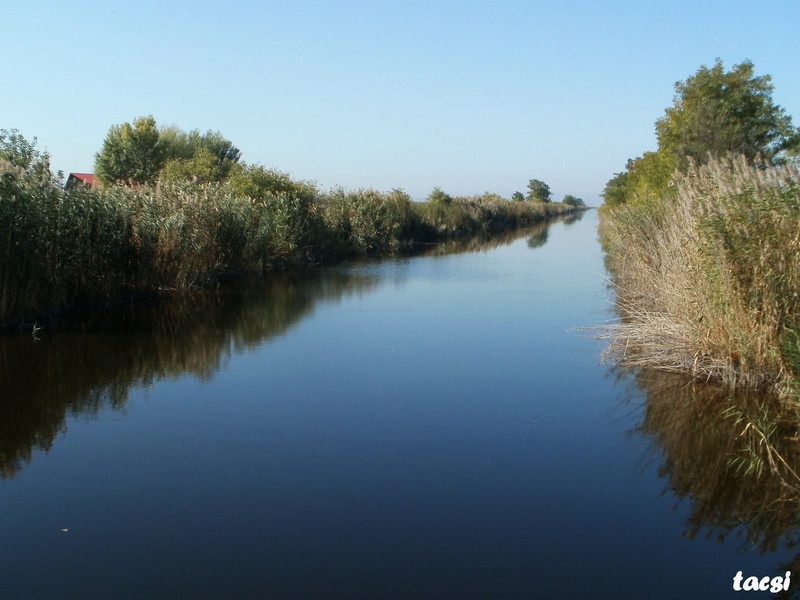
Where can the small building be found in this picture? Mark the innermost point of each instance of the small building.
(76, 179)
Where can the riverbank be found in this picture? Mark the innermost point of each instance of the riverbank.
(707, 277)
(64, 249)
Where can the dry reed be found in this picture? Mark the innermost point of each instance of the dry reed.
(707, 281)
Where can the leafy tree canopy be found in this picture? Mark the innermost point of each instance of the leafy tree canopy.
(573, 201)
(714, 113)
(22, 153)
(438, 196)
(140, 152)
(538, 191)
(201, 157)
(717, 112)
(17, 150)
(131, 153)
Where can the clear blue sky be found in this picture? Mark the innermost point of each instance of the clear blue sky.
(466, 95)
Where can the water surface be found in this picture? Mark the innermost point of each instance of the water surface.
(427, 427)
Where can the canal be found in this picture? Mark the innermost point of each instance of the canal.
(437, 426)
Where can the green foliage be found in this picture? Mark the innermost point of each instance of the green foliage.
(437, 196)
(616, 190)
(199, 157)
(360, 222)
(538, 191)
(67, 248)
(647, 178)
(517, 197)
(199, 168)
(258, 182)
(717, 112)
(131, 153)
(17, 150)
(573, 201)
(140, 153)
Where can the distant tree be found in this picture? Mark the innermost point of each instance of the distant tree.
(21, 152)
(717, 112)
(573, 201)
(131, 153)
(616, 190)
(140, 152)
(518, 197)
(199, 157)
(437, 196)
(538, 191)
(17, 150)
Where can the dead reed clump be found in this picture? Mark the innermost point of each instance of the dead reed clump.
(707, 282)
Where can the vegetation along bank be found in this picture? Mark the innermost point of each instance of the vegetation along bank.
(703, 237)
(173, 210)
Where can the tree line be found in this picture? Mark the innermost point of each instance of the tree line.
(139, 152)
(714, 113)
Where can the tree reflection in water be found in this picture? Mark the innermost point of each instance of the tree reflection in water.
(90, 363)
(733, 455)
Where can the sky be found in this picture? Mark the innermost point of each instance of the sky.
(465, 95)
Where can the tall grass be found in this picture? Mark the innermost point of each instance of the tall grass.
(708, 280)
(62, 249)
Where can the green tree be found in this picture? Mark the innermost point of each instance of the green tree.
(140, 152)
(199, 168)
(573, 201)
(17, 150)
(717, 112)
(616, 190)
(131, 153)
(714, 113)
(437, 196)
(538, 191)
(518, 197)
(199, 157)
(649, 176)
(21, 152)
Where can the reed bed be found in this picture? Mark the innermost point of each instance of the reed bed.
(65, 249)
(707, 280)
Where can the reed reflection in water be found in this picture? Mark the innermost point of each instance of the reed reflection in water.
(82, 366)
(87, 365)
(416, 427)
(733, 456)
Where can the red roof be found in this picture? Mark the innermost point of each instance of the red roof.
(87, 178)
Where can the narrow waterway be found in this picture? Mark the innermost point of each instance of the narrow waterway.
(426, 427)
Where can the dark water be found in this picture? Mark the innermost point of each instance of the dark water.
(430, 427)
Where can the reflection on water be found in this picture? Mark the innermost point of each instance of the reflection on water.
(423, 427)
(84, 366)
(734, 456)
(90, 365)
(537, 236)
